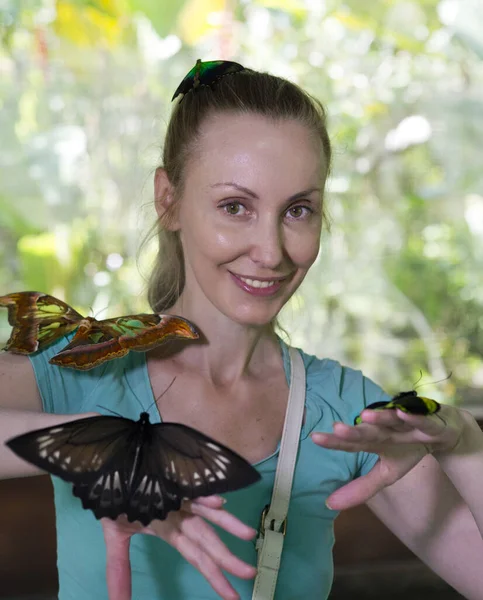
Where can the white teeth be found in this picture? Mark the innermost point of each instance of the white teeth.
(257, 284)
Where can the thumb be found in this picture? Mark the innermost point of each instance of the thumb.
(358, 490)
(118, 566)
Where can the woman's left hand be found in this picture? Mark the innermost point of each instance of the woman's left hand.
(400, 439)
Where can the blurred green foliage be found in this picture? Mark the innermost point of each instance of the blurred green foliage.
(397, 289)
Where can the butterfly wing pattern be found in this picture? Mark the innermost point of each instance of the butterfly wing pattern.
(98, 341)
(119, 466)
(39, 319)
(408, 402)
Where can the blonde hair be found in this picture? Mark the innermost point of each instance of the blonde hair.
(242, 92)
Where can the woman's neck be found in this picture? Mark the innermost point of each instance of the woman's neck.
(227, 351)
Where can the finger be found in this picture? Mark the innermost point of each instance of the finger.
(364, 432)
(350, 438)
(206, 538)
(225, 520)
(332, 442)
(429, 424)
(207, 567)
(210, 501)
(386, 418)
(118, 566)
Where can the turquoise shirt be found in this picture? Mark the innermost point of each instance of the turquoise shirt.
(333, 393)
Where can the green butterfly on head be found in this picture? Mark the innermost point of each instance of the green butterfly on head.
(206, 73)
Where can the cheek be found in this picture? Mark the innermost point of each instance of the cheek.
(203, 241)
(305, 249)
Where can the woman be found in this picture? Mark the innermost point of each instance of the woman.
(240, 204)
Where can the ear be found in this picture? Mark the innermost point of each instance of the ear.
(164, 200)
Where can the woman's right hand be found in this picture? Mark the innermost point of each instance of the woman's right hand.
(186, 530)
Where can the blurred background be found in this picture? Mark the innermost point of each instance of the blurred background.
(397, 290)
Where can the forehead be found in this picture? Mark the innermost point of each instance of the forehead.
(250, 145)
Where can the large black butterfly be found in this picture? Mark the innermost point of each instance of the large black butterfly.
(144, 470)
(408, 402)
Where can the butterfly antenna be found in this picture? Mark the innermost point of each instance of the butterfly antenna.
(434, 382)
(137, 397)
(111, 411)
(133, 392)
(418, 380)
(161, 395)
(99, 312)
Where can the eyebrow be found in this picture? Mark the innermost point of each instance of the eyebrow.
(249, 192)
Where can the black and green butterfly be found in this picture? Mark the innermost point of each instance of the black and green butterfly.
(206, 73)
(408, 402)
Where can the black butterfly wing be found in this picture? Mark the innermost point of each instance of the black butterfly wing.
(122, 466)
(105, 494)
(177, 463)
(150, 495)
(198, 465)
(78, 450)
(408, 402)
(411, 403)
(97, 454)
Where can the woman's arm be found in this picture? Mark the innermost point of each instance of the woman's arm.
(21, 411)
(464, 467)
(427, 513)
(433, 503)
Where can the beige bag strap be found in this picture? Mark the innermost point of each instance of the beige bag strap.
(273, 523)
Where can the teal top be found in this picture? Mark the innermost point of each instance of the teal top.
(333, 393)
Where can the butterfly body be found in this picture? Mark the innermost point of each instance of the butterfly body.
(408, 402)
(144, 470)
(40, 319)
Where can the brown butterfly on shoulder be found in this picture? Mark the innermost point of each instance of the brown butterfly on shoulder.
(39, 319)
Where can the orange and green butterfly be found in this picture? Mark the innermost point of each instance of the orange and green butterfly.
(39, 319)
(408, 402)
(206, 73)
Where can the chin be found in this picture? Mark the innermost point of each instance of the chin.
(251, 317)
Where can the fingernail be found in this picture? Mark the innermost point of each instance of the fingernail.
(328, 505)
(223, 500)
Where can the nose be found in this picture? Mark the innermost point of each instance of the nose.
(267, 245)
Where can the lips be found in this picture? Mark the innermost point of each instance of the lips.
(259, 286)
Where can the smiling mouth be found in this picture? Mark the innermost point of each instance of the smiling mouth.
(262, 283)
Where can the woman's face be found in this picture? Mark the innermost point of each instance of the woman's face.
(250, 215)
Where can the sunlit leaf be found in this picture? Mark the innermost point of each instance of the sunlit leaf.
(375, 109)
(354, 21)
(90, 24)
(295, 7)
(39, 264)
(199, 17)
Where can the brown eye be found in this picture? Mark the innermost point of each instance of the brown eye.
(296, 212)
(232, 208)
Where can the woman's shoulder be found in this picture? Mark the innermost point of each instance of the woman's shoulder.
(64, 389)
(344, 390)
